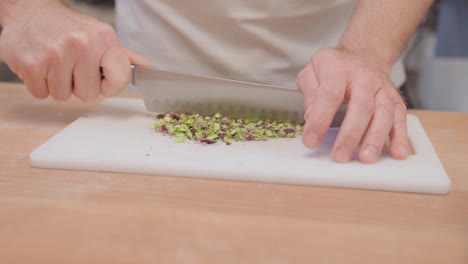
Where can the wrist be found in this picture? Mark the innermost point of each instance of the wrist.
(10, 10)
(376, 54)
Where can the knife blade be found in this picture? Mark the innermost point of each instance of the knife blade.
(166, 91)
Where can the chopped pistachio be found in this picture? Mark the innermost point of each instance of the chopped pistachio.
(224, 120)
(180, 138)
(282, 133)
(207, 141)
(170, 129)
(160, 116)
(189, 134)
(175, 116)
(167, 119)
(210, 129)
(212, 137)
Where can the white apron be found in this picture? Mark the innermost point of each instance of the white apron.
(263, 41)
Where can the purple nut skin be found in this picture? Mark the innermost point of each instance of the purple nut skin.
(175, 117)
(224, 120)
(207, 141)
(160, 116)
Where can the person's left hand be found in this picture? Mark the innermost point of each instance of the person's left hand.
(375, 108)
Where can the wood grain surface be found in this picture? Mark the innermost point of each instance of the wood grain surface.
(55, 216)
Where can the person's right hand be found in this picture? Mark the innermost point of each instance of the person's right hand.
(59, 52)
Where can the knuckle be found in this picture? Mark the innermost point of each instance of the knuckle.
(387, 107)
(306, 81)
(400, 121)
(350, 139)
(79, 42)
(106, 32)
(402, 108)
(333, 94)
(300, 78)
(106, 29)
(52, 54)
(377, 136)
(30, 67)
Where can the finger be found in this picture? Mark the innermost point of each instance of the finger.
(322, 110)
(323, 91)
(359, 113)
(37, 86)
(378, 130)
(34, 79)
(399, 143)
(308, 85)
(138, 59)
(60, 79)
(115, 65)
(87, 77)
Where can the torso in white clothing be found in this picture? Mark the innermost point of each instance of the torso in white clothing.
(264, 41)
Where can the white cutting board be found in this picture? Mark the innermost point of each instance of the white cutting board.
(118, 136)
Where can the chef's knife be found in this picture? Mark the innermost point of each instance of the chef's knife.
(165, 91)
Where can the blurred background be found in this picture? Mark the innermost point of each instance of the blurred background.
(436, 59)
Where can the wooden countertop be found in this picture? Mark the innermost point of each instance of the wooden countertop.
(55, 216)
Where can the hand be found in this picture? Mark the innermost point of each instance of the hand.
(375, 108)
(57, 51)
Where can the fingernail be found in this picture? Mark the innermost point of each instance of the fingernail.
(370, 152)
(342, 154)
(313, 139)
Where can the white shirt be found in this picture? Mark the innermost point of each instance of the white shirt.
(263, 41)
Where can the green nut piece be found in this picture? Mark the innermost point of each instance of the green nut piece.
(210, 129)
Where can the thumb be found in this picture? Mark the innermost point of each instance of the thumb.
(137, 59)
(115, 65)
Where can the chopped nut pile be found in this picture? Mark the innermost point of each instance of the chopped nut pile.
(211, 129)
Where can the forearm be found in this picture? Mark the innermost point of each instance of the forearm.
(379, 30)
